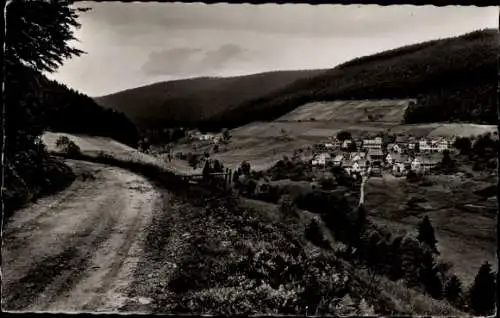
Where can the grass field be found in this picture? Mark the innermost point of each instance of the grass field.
(465, 237)
(384, 110)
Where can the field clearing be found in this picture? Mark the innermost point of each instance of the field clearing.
(391, 111)
(444, 129)
(465, 238)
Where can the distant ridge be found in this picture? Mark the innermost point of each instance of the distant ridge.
(453, 79)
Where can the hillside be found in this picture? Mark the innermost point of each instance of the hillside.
(454, 79)
(193, 100)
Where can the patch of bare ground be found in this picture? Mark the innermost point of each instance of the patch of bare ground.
(466, 236)
(74, 251)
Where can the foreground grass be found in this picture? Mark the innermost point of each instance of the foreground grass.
(245, 260)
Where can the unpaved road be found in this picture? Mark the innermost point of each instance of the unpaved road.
(78, 250)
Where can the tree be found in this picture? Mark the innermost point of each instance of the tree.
(352, 147)
(245, 168)
(207, 169)
(447, 163)
(226, 135)
(426, 234)
(344, 135)
(37, 40)
(463, 144)
(453, 290)
(193, 160)
(482, 291)
(218, 166)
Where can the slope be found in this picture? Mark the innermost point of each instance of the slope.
(194, 100)
(453, 79)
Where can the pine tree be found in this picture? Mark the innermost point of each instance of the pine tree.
(453, 290)
(482, 291)
(426, 234)
(429, 275)
(207, 169)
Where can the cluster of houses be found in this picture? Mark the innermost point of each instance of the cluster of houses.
(213, 138)
(373, 155)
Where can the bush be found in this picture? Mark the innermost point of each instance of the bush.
(314, 234)
(67, 146)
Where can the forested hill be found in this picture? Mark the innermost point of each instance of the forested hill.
(190, 101)
(454, 79)
(66, 110)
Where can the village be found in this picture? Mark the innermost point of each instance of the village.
(372, 156)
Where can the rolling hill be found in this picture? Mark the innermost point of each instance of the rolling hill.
(189, 101)
(453, 80)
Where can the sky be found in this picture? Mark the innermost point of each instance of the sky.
(134, 44)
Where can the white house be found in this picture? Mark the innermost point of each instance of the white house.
(375, 143)
(346, 143)
(442, 145)
(424, 145)
(321, 159)
(416, 164)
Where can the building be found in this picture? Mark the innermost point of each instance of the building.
(375, 143)
(424, 145)
(321, 159)
(424, 164)
(346, 144)
(393, 147)
(337, 161)
(442, 145)
(375, 154)
(336, 143)
(398, 169)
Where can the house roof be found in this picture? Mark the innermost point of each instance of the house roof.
(375, 152)
(338, 157)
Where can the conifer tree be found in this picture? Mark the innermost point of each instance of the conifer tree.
(482, 291)
(453, 290)
(426, 234)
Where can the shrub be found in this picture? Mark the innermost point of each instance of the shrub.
(287, 206)
(314, 234)
(67, 146)
(453, 291)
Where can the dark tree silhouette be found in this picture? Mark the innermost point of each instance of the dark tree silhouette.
(245, 168)
(426, 234)
(463, 144)
(447, 163)
(37, 40)
(453, 290)
(344, 135)
(207, 169)
(482, 291)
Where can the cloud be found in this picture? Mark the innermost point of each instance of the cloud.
(188, 61)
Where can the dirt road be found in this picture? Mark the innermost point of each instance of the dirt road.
(78, 250)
